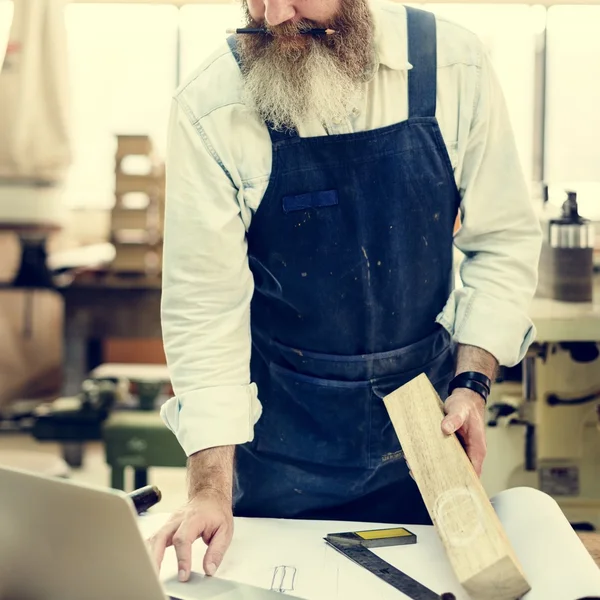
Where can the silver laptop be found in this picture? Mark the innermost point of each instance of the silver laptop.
(61, 540)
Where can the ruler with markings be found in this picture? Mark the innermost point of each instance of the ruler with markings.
(355, 546)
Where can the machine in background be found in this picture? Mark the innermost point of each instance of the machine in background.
(566, 269)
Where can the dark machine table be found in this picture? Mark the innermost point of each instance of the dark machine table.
(98, 307)
(101, 307)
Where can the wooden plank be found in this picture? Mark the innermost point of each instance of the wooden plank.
(467, 524)
(149, 184)
(591, 541)
(137, 237)
(134, 351)
(131, 258)
(133, 144)
(102, 280)
(129, 218)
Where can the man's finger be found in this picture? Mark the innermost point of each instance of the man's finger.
(216, 549)
(476, 458)
(183, 539)
(452, 422)
(158, 544)
(476, 451)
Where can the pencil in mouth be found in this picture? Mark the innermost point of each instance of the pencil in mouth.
(262, 30)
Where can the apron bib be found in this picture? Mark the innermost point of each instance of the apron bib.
(351, 250)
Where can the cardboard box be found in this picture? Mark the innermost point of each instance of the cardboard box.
(31, 347)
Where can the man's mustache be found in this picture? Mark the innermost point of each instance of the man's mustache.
(290, 28)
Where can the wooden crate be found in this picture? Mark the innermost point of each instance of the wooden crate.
(137, 258)
(137, 217)
(130, 218)
(133, 145)
(150, 184)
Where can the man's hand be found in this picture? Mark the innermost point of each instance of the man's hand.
(465, 411)
(208, 514)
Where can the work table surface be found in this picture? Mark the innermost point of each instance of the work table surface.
(567, 321)
(554, 321)
(290, 556)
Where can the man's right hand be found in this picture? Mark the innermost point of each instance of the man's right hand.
(208, 514)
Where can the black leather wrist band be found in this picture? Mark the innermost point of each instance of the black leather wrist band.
(476, 386)
(473, 380)
(475, 376)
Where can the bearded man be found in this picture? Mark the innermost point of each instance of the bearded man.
(314, 180)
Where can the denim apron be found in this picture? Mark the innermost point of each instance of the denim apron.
(351, 253)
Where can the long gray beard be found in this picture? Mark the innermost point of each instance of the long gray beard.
(288, 91)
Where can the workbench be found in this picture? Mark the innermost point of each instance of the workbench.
(129, 307)
(290, 556)
(563, 363)
(101, 307)
(567, 321)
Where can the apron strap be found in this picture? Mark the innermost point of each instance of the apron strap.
(232, 43)
(276, 136)
(422, 54)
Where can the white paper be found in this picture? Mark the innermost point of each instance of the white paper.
(554, 560)
(292, 558)
(261, 547)
(200, 587)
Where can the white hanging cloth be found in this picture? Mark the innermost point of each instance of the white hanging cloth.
(35, 143)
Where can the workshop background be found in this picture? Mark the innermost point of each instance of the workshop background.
(82, 370)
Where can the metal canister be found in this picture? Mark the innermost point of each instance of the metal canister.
(567, 263)
(571, 230)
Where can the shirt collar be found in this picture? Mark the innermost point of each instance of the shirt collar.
(390, 40)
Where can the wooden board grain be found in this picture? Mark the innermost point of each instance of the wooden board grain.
(591, 541)
(466, 522)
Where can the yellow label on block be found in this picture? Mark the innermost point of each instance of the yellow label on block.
(378, 534)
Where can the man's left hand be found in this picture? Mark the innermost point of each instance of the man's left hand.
(465, 410)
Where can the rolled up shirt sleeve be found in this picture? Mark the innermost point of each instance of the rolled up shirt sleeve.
(206, 292)
(500, 236)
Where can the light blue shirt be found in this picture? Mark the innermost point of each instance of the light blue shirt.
(218, 168)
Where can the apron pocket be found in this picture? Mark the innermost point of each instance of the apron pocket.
(313, 420)
(439, 371)
(310, 200)
(385, 446)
